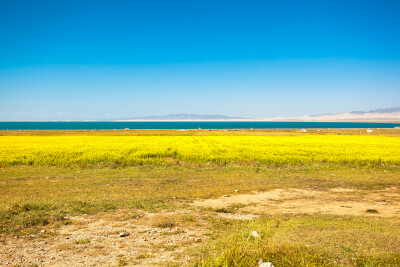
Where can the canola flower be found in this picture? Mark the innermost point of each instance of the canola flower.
(133, 150)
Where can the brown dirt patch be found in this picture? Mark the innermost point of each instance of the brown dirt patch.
(339, 201)
(95, 241)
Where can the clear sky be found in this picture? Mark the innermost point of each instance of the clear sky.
(80, 60)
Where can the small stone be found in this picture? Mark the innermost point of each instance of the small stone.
(383, 203)
(123, 234)
(255, 234)
(236, 190)
(153, 237)
(43, 231)
(262, 263)
(197, 240)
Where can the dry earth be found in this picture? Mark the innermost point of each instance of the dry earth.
(94, 240)
(339, 201)
(163, 238)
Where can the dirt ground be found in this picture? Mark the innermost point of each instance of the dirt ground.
(338, 201)
(94, 240)
(157, 238)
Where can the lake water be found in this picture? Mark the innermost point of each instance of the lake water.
(99, 125)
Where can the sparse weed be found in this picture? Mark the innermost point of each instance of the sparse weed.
(81, 242)
(144, 256)
(122, 262)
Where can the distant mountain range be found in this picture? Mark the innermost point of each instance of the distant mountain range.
(381, 110)
(183, 117)
(385, 114)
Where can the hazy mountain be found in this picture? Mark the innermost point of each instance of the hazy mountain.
(184, 117)
(385, 114)
(381, 110)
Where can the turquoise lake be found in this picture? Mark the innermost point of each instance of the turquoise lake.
(188, 125)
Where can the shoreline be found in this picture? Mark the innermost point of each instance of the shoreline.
(258, 120)
(233, 120)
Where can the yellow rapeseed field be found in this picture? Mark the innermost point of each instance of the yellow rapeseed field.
(133, 150)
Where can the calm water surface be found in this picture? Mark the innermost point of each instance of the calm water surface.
(187, 125)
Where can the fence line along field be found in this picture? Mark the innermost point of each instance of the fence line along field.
(134, 150)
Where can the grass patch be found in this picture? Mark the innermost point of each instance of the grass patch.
(372, 211)
(223, 210)
(122, 262)
(26, 218)
(164, 222)
(306, 240)
(144, 256)
(30, 200)
(81, 242)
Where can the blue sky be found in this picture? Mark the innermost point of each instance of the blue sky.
(80, 60)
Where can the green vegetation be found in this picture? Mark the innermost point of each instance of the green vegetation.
(40, 195)
(306, 240)
(45, 179)
(81, 242)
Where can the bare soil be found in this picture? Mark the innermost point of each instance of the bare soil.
(95, 241)
(338, 201)
(157, 238)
